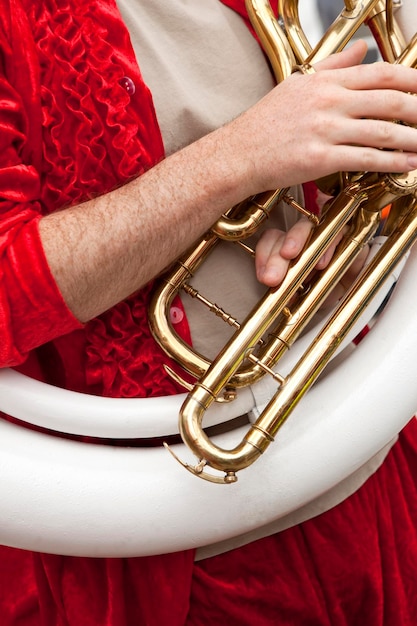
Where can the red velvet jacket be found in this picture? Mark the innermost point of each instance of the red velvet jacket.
(69, 130)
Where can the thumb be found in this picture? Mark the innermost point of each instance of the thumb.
(354, 55)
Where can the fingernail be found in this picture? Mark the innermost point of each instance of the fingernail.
(260, 272)
(271, 276)
(412, 161)
(290, 245)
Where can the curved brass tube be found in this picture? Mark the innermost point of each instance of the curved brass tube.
(294, 385)
(281, 315)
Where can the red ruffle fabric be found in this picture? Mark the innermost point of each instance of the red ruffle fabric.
(122, 357)
(61, 147)
(31, 307)
(71, 129)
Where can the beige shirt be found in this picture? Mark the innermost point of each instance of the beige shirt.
(192, 98)
(173, 41)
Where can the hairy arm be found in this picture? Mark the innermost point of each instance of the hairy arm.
(337, 119)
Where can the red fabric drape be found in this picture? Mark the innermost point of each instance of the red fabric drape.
(69, 130)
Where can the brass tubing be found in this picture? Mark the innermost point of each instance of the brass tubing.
(293, 30)
(255, 211)
(348, 312)
(283, 312)
(385, 30)
(244, 454)
(341, 32)
(304, 309)
(409, 56)
(228, 361)
(274, 41)
(274, 301)
(168, 287)
(230, 358)
(307, 370)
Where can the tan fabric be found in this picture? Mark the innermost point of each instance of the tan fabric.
(191, 96)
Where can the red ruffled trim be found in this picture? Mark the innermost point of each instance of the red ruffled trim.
(97, 132)
(61, 146)
(32, 309)
(123, 358)
(100, 130)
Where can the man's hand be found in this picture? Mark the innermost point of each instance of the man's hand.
(340, 118)
(276, 248)
(336, 119)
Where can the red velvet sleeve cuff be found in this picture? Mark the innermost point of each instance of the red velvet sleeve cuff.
(32, 309)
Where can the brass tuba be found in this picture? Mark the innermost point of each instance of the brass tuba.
(273, 326)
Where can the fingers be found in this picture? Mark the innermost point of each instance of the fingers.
(276, 249)
(270, 266)
(380, 134)
(362, 158)
(343, 120)
(295, 239)
(380, 75)
(328, 255)
(354, 129)
(343, 285)
(385, 105)
(354, 55)
(357, 76)
(359, 106)
(355, 268)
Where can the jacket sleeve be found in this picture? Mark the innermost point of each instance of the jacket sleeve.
(32, 310)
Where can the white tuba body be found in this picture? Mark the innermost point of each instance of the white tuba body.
(68, 497)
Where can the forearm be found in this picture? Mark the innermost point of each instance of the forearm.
(104, 250)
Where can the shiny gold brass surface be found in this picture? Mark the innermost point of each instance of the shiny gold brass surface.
(280, 316)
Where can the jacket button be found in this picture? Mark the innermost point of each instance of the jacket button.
(128, 84)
